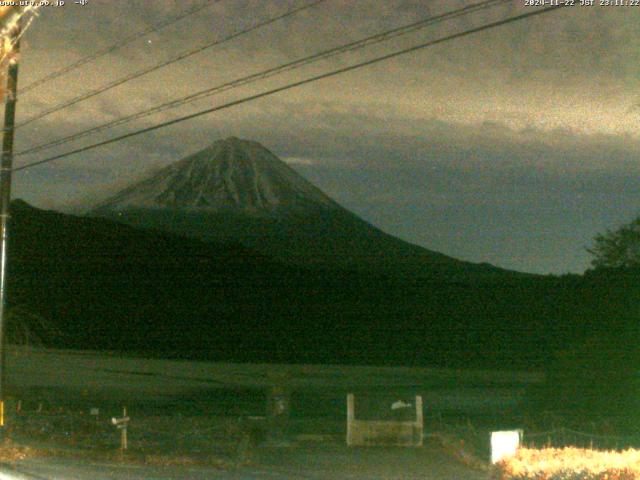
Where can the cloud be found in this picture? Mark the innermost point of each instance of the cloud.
(299, 161)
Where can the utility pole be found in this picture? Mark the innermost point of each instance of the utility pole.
(6, 167)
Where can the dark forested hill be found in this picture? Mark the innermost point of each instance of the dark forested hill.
(111, 286)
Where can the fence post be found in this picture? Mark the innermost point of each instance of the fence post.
(350, 417)
(419, 425)
(123, 439)
(121, 424)
(278, 411)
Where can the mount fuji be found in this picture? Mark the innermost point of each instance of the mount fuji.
(238, 191)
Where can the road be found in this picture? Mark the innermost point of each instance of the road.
(303, 463)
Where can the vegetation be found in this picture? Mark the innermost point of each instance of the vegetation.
(104, 285)
(619, 248)
(570, 464)
(109, 286)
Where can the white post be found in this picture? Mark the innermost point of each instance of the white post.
(123, 437)
(350, 417)
(419, 414)
(419, 428)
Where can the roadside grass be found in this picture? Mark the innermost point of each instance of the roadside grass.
(11, 453)
(570, 464)
(183, 439)
(152, 440)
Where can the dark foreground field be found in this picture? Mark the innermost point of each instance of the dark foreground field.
(207, 420)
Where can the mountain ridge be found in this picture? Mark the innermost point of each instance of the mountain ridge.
(239, 191)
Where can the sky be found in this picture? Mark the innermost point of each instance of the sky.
(513, 146)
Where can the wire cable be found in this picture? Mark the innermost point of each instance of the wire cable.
(115, 46)
(323, 55)
(294, 85)
(170, 61)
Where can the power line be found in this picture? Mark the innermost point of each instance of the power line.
(116, 46)
(293, 85)
(358, 44)
(175, 59)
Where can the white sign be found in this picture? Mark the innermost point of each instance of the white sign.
(120, 422)
(504, 444)
(400, 404)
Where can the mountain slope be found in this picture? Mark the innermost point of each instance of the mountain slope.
(106, 285)
(239, 191)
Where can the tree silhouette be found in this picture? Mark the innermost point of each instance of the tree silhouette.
(619, 248)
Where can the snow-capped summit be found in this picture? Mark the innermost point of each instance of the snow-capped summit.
(230, 175)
